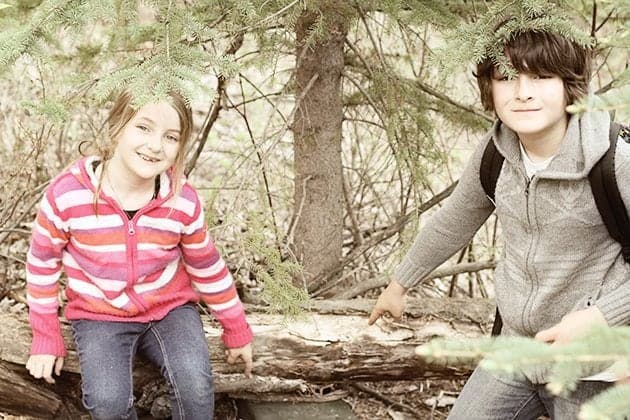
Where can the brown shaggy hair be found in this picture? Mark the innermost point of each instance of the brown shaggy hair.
(543, 53)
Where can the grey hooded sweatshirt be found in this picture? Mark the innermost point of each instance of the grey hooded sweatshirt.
(557, 255)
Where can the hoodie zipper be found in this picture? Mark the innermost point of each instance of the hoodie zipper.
(530, 273)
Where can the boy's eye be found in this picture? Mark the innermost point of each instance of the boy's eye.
(500, 78)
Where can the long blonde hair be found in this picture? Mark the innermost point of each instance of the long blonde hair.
(122, 112)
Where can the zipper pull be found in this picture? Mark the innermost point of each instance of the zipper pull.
(132, 231)
(529, 181)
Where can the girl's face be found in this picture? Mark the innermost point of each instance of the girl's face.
(530, 104)
(149, 143)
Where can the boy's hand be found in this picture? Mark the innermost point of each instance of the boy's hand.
(41, 366)
(572, 325)
(245, 354)
(392, 300)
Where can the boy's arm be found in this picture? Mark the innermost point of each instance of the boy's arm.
(43, 268)
(211, 278)
(451, 228)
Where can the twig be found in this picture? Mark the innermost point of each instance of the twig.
(451, 289)
(386, 399)
(273, 16)
(261, 163)
(448, 271)
(387, 233)
(356, 232)
(11, 257)
(213, 113)
(297, 215)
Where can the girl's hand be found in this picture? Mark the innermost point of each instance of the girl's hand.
(392, 300)
(41, 366)
(245, 354)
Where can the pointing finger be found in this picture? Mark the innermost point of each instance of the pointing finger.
(376, 314)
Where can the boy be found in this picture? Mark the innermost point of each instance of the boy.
(561, 272)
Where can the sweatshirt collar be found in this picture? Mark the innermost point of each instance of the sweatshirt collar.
(83, 170)
(584, 143)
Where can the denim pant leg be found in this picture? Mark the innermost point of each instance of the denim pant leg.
(178, 346)
(488, 397)
(106, 351)
(568, 407)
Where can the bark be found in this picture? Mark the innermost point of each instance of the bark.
(318, 204)
(331, 344)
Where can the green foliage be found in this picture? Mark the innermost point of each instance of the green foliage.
(51, 109)
(275, 274)
(595, 351)
(485, 38)
(149, 58)
(612, 404)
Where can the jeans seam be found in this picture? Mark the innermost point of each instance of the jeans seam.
(132, 353)
(533, 395)
(171, 378)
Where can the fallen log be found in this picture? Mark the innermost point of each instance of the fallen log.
(332, 343)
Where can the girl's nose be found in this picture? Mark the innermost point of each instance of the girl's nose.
(155, 143)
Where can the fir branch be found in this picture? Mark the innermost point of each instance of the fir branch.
(485, 38)
(612, 404)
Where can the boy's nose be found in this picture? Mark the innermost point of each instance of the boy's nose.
(524, 88)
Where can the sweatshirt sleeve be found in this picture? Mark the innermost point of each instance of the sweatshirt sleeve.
(43, 268)
(211, 278)
(615, 304)
(451, 227)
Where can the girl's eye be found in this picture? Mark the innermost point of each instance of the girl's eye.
(143, 128)
(172, 138)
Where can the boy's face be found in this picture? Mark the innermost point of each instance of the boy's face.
(530, 104)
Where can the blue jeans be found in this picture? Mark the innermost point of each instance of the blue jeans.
(176, 344)
(487, 396)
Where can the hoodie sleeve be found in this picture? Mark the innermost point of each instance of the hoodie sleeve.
(211, 278)
(451, 228)
(43, 268)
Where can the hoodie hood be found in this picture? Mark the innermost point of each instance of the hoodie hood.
(84, 171)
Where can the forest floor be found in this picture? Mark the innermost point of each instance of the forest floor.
(390, 400)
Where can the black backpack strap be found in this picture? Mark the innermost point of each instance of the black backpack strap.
(607, 196)
(491, 163)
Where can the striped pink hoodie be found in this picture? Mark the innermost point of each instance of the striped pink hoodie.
(125, 270)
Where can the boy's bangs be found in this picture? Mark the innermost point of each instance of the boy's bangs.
(535, 53)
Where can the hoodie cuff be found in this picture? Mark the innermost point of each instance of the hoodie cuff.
(615, 308)
(408, 274)
(239, 339)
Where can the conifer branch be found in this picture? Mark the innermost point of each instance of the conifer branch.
(215, 107)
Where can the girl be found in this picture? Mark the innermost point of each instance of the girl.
(130, 234)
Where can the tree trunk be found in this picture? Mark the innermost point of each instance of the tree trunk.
(331, 344)
(318, 206)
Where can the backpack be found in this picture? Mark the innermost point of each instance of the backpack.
(603, 184)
